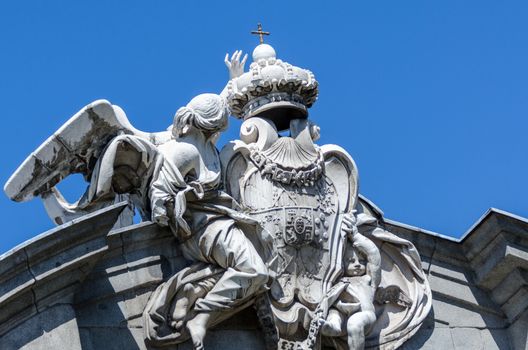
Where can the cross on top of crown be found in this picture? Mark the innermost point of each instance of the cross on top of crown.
(260, 33)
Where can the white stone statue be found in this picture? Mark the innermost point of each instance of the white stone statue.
(305, 197)
(274, 220)
(185, 195)
(174, 179)
(352, 297)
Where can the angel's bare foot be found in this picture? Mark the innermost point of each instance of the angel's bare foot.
(179, 312)
(197, 327)
(183, 300)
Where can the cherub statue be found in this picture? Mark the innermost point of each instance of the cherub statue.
(351, 300)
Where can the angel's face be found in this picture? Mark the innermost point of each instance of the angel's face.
(355, 263)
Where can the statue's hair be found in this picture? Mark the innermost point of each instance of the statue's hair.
(206, 112)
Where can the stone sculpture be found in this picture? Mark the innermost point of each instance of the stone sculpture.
(302, 195)
(351, 300)
(274, 221)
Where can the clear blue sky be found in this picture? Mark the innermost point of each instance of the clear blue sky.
(430, 98)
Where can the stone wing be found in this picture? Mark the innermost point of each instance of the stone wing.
(73, 148)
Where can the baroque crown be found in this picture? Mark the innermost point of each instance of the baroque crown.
(272, 89)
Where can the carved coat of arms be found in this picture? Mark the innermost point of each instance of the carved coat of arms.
(305, 198)
(274, 220)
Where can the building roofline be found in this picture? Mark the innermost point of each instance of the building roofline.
(420, 230)
(468, 232)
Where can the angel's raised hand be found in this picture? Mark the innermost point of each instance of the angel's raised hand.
(235, 66)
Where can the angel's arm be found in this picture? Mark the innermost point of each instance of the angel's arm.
(235, 67)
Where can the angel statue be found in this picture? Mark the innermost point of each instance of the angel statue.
(173, 178)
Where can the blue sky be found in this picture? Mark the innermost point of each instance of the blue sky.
(430, 98)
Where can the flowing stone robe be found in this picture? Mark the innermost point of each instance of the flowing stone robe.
(213, 233)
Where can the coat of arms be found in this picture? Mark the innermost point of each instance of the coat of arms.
(328, 255)
(273, 221)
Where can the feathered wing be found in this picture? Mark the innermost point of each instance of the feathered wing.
(74, 148)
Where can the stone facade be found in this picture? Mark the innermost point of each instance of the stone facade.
(84, 286)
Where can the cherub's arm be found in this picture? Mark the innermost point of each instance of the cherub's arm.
(371, 251)
(367, 247)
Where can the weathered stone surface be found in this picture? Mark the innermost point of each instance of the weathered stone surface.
(496, 339)
(518, 332)
(455, 273)
(53, 328)
(45, 270)
(107, 304)
(514, 281)
(455, 314)
(462, 293)
(431, 339)
(516, 304)
(467, 339)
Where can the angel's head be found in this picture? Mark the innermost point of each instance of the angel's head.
(206, 113)
(355, 262)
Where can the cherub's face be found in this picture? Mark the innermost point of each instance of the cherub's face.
(355, 263)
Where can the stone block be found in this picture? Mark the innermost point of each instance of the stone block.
(498, 260)
(518, 332)
(463, 293)
(466, 339)
(481, 235)
(17, 284)
(454, 272)
(147, 271)
(144, 231)
(510, 285)
(230, 340)
(72, 234)
(455, 314)
(133, 304)
(110, 338)
(18, 309)
(13, 263)
(50, 262)
(94, 287)
(49, 329)
(430, 339)
(495, 339)
(517, 304)
(449, 252)
(103, 313)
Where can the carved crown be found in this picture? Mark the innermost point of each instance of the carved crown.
(272, 89)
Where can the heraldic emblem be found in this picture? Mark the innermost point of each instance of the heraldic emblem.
(273, 221)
